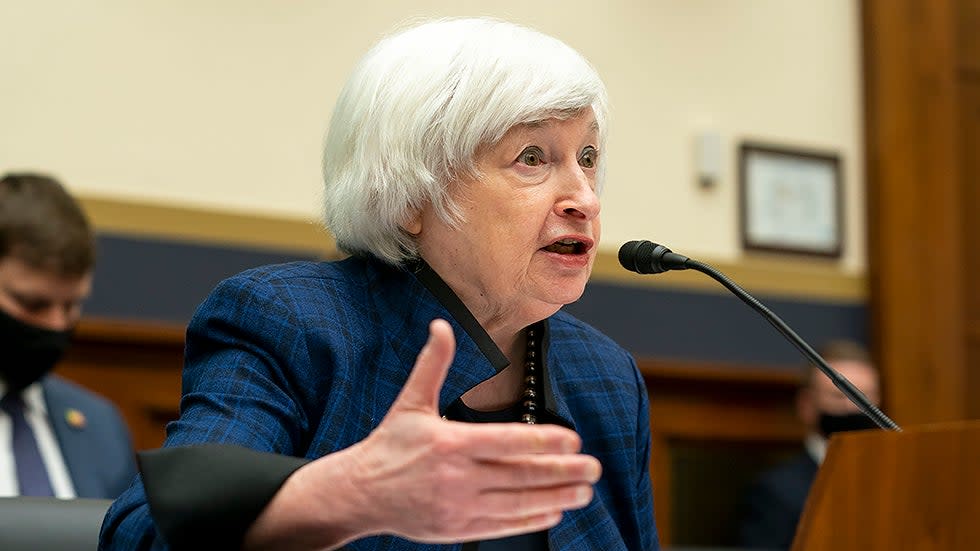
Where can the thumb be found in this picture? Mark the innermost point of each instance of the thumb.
(421, 390)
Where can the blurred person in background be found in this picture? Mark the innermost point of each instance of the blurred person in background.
(773, 504)
(56, 438)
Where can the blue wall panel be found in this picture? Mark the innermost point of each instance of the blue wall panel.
(713, 326)
(165, 280)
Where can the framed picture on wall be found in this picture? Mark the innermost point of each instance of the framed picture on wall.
(790, 201)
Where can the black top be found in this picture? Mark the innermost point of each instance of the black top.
(538, 541)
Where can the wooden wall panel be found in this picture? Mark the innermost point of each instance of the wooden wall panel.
(969, 93)
(968, 35)
(915, 227)
(737, 417)
(968, 46)
(136, 365)
(970, 170)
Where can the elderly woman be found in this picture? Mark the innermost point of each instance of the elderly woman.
(426, 390)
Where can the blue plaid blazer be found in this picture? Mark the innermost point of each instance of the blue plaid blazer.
(305, 359)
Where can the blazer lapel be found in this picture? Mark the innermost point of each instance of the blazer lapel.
(553, 401)
(412, 307)
(70, 424)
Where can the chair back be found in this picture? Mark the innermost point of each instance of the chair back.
(52, 524)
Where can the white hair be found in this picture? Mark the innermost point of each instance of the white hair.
(417, 107)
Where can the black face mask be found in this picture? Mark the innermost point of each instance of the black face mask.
(829, 424)
(27, 352)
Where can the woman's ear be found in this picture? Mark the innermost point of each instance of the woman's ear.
(413, 222)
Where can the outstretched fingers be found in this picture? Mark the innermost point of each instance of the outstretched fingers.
(496, 440)
(442, 481)
(541, 471)
(518, 504)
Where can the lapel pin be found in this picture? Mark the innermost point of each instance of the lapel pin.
(75, 418)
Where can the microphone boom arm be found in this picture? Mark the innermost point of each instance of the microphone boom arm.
(853, 394)
(646, 257)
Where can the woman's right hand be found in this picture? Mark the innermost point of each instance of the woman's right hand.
(423, 478)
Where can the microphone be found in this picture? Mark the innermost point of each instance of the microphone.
(646, 257)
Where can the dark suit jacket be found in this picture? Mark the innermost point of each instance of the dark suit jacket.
(773, 505)
(93, 437)
(305, 359)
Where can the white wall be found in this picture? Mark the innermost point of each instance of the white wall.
(223, 103)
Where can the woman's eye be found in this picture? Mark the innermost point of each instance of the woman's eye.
(589, 157)
(531, 156)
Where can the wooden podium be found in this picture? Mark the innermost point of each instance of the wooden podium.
(912, 490)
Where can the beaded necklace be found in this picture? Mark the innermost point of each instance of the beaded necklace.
(531, 375)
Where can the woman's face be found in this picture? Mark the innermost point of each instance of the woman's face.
(531, 223)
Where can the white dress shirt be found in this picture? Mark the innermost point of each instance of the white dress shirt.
(816, 446)
(36, 413)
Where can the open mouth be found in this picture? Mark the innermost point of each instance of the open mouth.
(567, 246)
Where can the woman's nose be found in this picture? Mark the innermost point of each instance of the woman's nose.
(579, 198)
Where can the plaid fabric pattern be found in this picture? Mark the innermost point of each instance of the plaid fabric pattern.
(305, 359)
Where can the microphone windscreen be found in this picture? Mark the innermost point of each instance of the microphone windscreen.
(627, 255)
(639, 257)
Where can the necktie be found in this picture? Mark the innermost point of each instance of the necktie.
(32, 476)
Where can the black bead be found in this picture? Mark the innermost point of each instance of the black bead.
(530, 380)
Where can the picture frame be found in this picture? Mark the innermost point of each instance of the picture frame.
(790, 201)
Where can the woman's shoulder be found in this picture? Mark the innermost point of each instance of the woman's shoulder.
(349, 277)
(293, 290)
(346, 270)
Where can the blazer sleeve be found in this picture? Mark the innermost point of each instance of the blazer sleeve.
(243, 353)
(206, 496)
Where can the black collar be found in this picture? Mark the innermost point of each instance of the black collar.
(454, 305)
(450, 301)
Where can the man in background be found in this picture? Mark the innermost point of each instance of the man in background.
(774, 503)
(56, 439)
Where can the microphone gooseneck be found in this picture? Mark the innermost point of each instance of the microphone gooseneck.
(646, 257)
